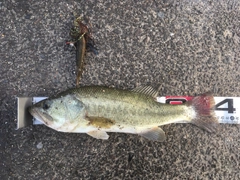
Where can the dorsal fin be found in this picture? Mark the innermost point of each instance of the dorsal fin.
(147, 90)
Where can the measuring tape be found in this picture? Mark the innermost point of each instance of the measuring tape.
(227, 109)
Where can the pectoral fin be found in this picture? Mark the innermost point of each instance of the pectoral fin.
(98, 134)
(153, 134)
(100, 122)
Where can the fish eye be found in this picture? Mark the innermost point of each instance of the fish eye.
(46, 105)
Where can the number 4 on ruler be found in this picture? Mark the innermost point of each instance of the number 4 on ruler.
(229, 109)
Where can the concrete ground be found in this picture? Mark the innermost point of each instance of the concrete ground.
(188, 47)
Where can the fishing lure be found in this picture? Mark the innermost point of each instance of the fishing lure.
(81, 40)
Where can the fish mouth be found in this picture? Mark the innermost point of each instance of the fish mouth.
(37, 114)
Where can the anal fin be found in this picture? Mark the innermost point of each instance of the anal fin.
(98, 134)
(153, 134)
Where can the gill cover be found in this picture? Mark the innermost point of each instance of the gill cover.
(63, 109)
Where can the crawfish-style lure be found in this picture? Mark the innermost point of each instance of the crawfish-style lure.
(81, 40)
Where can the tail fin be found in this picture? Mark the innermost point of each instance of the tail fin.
(205, 115)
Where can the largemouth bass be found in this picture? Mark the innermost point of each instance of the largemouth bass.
(96, 110)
